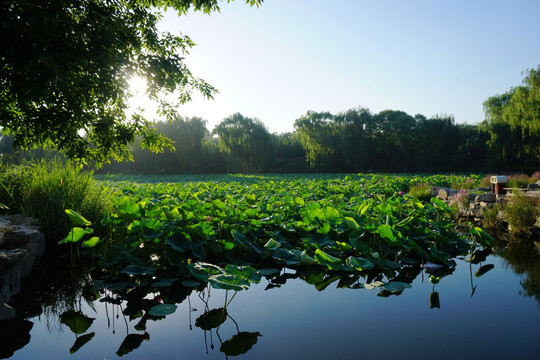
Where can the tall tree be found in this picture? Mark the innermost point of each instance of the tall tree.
(65, 68)
(316, 133)
(395, 131)
(355, 132)
(513, 122)
(246, 141)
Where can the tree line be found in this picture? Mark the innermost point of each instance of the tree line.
(355, 140)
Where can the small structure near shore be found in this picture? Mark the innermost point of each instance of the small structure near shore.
(474, 203)
(20, 243)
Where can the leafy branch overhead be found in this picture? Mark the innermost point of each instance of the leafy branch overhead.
(65, 68)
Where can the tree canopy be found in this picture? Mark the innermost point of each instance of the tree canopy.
(513, 122)
(65, 68)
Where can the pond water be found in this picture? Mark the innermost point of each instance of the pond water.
(495, 315)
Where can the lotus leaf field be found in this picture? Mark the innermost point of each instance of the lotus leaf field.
(230, 231)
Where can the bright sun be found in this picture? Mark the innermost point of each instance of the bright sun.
(137, 85)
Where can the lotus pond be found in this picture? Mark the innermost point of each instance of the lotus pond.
(265, 267)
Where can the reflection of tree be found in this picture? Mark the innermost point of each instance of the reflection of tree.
(14, 335)
(523, 256)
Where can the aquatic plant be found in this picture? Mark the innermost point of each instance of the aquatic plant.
(232, 233)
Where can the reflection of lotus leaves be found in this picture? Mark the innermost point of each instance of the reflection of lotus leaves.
(81, 340)
(240, 343)
(211, 319)
(484, 269)
(76, 321)
(131, 342)
(434, 300)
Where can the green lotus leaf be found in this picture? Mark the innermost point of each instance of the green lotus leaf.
(162, 310)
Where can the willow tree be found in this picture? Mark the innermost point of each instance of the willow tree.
(65, 67)
(316, 131)
(246, 141)
(513, 122)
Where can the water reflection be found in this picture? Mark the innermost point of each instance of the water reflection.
(82, 310)
(523, 256)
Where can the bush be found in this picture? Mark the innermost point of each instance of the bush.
(519, 181)
(520, 213)
(45, 190)
(464, 183)
(485, 182)
(421, 192)
(492, 221)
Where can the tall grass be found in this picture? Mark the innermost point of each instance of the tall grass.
(421, 192)
(44, 190)
(520, 213)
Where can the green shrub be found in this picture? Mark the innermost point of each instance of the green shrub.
(520, 213)
(519, 181)
(45, 190)
(485, 182)
(492, 221)
(421, 192)
(464, 183)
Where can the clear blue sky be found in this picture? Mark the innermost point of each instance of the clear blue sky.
(420, 56)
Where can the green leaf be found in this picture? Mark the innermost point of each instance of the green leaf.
(201, 271)
(363, 208)
(137, 270)
(386, 232)
(247, 272)
(305, 259)
(272, 244)
(75, 235)
(322, 258)
(396, 286)
(77, 219)
(162, 310)
(76, 321)
(359, 263)
(178, 242)
(352, 223)
(229, 282)
(299, 201)
(190, 283)
(219, 204)
(481, 236)
(91, 242)
(228, 245)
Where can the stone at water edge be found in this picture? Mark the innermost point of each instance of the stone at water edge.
(488, 197)
(6, 312)
(443, 195)
(11, 263)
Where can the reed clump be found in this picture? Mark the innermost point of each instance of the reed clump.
(44, 190)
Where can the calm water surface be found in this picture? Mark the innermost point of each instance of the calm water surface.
(296, 321)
